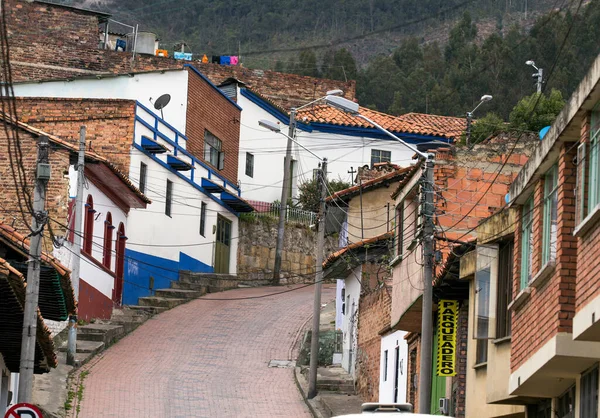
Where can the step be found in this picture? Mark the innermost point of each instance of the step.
(107, 333)
(156, 301)
(216, 281)
(178, 293)
(189, 286)
(150, 310)
(87, 347)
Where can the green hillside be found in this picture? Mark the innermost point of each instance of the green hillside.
(431, 56)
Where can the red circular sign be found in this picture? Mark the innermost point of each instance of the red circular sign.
(23, 410)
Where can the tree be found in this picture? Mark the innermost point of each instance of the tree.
(307, 63)
(485, 127)
(526, 115)
(339, 65)
(309, 196)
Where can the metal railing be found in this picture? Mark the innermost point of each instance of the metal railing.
(292, 215)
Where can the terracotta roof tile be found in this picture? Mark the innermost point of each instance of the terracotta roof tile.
(19, 243)
(378, 181)
(336, 255)
(16, 284)
(413, 123)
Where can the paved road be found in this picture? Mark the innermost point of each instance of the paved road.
(207, 358)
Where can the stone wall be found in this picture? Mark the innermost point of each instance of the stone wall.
(256, 250)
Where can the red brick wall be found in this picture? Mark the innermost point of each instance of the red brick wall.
(57, 189)
(373, 316)
(210, 110)
(48, 41)
(551, 307)
(109, 123)
(588, 245)
(468, 177)
(412, 390)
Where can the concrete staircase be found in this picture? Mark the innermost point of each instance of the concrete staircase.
(93, 338)
(190, 286)
(335, 379)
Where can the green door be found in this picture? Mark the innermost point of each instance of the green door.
(438, 383)
(222, 245)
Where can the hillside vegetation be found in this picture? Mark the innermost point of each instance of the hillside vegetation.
(478, 47)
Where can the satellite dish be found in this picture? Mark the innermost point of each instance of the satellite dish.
(544, 131)
(161, 103)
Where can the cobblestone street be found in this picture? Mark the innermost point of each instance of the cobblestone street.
(207, 358)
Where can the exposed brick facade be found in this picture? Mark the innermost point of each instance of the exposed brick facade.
(551, 307)
(373, 317)
(57, 189)
(588, 245)
(413, 369)
(109, 123)
(210, 110)
(459, 382)
(470, 187)
(285, 90)
(49, 42)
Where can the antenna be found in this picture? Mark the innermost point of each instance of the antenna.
(161, 103)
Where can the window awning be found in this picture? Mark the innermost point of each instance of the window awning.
(211, 187)
(236, 203)
(12, 300)
(52, 300)
(178, 164)
(152, 146)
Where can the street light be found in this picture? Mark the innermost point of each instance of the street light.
(539, 75)
(285, 192)
(484, 98)
(427, 212)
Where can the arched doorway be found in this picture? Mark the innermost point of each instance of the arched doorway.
(120, 264)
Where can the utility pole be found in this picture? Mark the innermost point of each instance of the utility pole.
(314, 341)
(468, 131)
(75, 271)
(428, 213)
(39, 219)
(540, 79)
(285, 193)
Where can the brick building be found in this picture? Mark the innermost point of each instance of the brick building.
(50, 41)
(181, 186)
(100, 273)
(555, 345)
(470, 185)
(373, 354)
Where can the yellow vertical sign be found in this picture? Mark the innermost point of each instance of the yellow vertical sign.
(447, 324)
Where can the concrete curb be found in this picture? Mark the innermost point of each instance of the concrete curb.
(313, 404)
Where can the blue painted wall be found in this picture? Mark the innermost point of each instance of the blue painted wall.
(139, 267)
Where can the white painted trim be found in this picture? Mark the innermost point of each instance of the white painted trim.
(520, 299)
(588, 222)
(543, 275)
(582, 320)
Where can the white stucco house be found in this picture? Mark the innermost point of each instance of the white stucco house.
(191, 223)
(347, 142)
